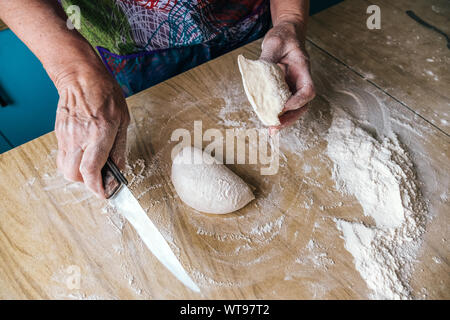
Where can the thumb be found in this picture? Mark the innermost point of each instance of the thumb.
(300, 98)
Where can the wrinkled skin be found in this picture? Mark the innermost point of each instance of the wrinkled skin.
(284, 45)
(91, 124)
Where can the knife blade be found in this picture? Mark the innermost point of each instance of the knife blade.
(123, 200)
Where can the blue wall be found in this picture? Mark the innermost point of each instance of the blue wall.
(30, 93)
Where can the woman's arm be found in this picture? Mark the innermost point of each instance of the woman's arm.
(92, 115)
(295, 11)
(285, 44)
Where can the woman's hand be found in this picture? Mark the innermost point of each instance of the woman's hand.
(284, 45)
(92, 116)
(91, 124)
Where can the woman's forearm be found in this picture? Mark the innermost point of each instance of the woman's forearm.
(41, 25)
(294, 11)
(92, 115)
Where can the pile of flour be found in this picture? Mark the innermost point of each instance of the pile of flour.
(381, 176)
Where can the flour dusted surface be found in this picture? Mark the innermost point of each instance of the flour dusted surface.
(381, 176)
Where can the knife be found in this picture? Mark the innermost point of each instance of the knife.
(118, 194)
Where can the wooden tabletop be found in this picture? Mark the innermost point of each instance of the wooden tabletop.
(59, 241)
(403, 58)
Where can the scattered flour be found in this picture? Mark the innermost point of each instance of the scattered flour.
(268, 227)
(437, 260)
(315, 255)
(381, 176)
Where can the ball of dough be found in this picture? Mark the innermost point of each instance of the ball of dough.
(265, 87)
(208, 186)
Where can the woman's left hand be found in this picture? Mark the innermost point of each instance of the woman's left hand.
(284, 45)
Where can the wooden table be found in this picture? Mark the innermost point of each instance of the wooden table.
(404, 59)
(283, 246)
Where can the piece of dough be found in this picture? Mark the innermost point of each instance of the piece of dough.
(266, 88)
(209, 186)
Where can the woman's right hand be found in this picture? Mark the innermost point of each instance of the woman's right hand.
(91, 124)
(92, 116)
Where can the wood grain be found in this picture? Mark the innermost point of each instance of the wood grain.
(403, 58)
(50, 227)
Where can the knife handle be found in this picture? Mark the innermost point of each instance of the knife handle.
(112, 179)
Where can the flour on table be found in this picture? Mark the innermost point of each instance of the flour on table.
(268, 227)
(381, 176)
(315, 255)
